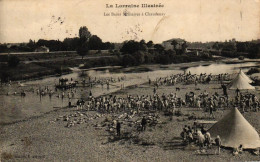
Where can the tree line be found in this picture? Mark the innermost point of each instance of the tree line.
(234, 48)
(142, 51)
(68, 44)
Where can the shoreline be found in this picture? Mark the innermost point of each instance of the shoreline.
(57, 109)
(181, 66)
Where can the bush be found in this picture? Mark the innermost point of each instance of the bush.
(13, 61)
(128, 60)
(111, 51)
(148, 58)
(229, 54)
(139, 57)
(5, 77)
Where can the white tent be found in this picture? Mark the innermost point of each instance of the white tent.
(235, 130)
(245, 76)
(240, 82)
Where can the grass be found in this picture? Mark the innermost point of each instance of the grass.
(29, 71)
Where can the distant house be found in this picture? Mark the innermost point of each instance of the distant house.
(9, 45)
(167, 44)
(42, 49)
(193, 53)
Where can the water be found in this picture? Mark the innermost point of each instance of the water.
(15, 107)
(218, 68)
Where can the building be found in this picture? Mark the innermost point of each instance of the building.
(193, 53)
(168, 43)
(42, 49)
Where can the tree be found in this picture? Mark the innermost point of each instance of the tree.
(31, 45)
(53, 45)
(70, 44)
(128, 60)
(142, 45)
(83, 43)
(108, 46)
(130, 47)
(254, 51)
(3, 48)
(139, 57)
(242, 46)
(149, 44)
(84, 33)
(142, 41)
(170, 52)
(13, 61)
(95, 43)
(82, 49)
(174, 43)
(215, 46)
(159, 48)
(229, 46)
(148, 58)
(184, 47)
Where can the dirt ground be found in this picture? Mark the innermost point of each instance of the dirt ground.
(46, 138)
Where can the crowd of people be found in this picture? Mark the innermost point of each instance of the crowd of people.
(102, 81)
(201, 100)
(191, 79)
(247, 102)
(199, 136)
(166, 102)
(209, 103)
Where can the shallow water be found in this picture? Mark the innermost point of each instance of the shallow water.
(15, 107)
(218, 68)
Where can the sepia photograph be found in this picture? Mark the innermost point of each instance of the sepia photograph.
(130, 80)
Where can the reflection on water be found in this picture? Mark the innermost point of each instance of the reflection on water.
(14, 107)
(221, 68)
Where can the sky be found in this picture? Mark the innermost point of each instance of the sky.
(193, 20)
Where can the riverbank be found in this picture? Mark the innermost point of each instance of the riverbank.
(47, 137)
(34, 66)
(33, 70)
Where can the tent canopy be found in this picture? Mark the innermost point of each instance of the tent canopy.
(241, 82)
(245, 76)
(234, 130)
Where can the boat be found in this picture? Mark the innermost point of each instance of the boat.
(65, 84)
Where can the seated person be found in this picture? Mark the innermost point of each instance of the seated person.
(238, 150)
